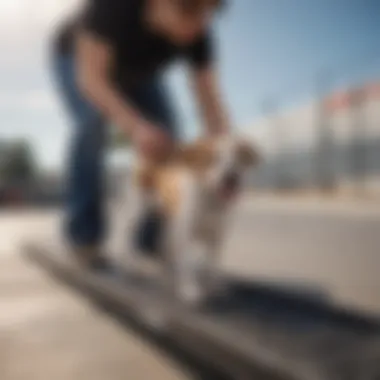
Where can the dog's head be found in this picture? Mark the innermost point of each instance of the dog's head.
(221, 162)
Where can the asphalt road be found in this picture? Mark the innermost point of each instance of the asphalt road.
(336, 249)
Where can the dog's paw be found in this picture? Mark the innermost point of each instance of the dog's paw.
(191, 293)
(191, 290)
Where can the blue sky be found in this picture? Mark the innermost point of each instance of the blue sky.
(268, 49)
(277, 48)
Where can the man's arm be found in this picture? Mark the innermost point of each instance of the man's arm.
(94, 59)
(208, 94)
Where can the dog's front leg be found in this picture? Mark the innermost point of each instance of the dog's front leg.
(131, 207)
(213, 252)
(213, 238)
(185, 252)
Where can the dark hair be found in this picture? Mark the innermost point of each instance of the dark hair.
(193, 6)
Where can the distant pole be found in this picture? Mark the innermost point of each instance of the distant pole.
(270, 109)
(324, 150)
(357, 151)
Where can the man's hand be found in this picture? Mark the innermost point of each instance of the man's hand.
(153, 142)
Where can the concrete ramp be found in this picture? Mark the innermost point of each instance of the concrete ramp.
(252, 330)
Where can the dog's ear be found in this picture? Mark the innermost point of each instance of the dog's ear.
(199, 155)
(247, 154)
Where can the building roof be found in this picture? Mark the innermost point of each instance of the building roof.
(341, 100)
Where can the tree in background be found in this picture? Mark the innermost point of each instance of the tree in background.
(17, 162)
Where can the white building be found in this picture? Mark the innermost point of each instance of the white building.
(339, 141)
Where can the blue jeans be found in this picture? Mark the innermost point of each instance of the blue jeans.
(85, 223)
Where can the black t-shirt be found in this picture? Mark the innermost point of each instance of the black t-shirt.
(139, 52)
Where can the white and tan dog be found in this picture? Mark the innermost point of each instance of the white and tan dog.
(193, 190)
